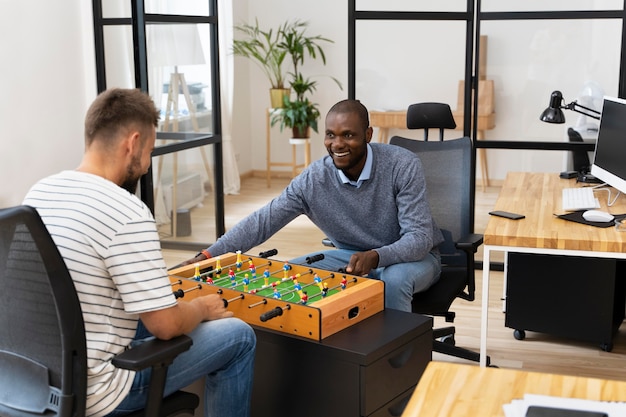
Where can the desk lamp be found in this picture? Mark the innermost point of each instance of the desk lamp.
(554, 114)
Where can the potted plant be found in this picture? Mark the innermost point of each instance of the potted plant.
(264, 48)
(300, 114)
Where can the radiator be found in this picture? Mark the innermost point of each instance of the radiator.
(189, 192)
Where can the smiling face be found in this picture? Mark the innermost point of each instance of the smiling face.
(347, 135)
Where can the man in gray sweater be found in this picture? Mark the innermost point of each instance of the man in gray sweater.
(368, 198)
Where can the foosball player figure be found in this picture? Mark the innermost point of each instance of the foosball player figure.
(297, 287)
(266, 277)
(276, 294)
(252, 269)
(239, 262)
(304, 298)
(344, 283)
(325, 290)
(209, 280)
(196, 274)
(286, 267)
(231, 275)
(318, 281)
(246, 282)
(218, 267)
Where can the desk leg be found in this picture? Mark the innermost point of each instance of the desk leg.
(485, 308)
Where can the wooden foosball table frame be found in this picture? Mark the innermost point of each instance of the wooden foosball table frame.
(317, 319)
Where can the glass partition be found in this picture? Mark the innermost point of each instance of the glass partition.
(177, 66)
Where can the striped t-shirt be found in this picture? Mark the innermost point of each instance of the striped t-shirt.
(109, 241)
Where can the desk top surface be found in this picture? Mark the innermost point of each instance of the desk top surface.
(538, 197)
(451, 389)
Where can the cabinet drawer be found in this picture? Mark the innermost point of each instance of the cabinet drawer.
(394, 373)
(395, 407)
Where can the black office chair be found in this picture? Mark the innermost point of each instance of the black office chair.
(430, 116)
(447, 168)
(43, 364)
(580, 158)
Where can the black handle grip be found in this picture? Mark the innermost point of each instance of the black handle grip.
(314, 258)
(268, 253)
(179, 294)
(268, 315)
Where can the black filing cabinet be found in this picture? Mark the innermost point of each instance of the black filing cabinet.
(573, 297)
(367, 370)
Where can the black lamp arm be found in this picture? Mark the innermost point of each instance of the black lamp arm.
(574, 107)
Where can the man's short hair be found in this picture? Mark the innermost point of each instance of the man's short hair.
(117, 109)
(352, 106)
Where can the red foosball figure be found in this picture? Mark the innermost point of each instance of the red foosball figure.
(344, 283)
(304, 297)
(231, 275)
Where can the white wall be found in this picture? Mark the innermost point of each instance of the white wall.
(325, 17)
(399, 63)
(48, 75)
(48, 80)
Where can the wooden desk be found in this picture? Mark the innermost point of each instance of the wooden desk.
(396, 119)
(538, 197)
(451, 390)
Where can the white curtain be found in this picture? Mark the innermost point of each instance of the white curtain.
(232, 182)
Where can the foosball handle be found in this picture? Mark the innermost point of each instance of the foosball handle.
(268, 253)
(225, 302)
(314, 258)
(268, 315)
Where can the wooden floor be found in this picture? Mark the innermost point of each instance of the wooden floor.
(538, 352)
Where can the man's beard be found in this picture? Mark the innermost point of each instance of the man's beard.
(132, 176)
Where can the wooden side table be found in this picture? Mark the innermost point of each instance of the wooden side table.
(294, 144)
(396, 119)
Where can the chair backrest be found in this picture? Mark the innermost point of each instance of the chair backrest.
(43, 362)
(447, 168)
(580, 158)
(430, 116)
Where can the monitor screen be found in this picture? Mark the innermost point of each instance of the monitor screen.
(609, 161)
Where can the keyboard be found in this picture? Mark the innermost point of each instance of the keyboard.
(579, 198)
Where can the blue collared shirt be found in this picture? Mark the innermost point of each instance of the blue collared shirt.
(365, 174)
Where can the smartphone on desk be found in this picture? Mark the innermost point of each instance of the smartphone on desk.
(507, 214)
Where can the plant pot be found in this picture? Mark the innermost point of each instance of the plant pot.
(301, 133)
(276, 97)
(298, 141)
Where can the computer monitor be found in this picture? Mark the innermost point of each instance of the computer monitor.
(609, 161)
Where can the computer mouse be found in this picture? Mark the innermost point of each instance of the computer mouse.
(597, 216)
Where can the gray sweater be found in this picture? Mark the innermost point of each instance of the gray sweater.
(388, 213)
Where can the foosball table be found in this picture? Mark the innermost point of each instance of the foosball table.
(294, 299)
(326, 345)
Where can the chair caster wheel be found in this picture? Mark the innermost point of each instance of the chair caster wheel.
(606, 347)
(519, 334)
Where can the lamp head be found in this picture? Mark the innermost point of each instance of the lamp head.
(554, 114)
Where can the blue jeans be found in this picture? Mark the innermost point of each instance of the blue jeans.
(222, 353)
(401, 280)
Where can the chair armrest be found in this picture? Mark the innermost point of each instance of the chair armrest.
(470, 243)
(153, 352)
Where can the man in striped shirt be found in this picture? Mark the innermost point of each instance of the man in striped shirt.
(110, 244)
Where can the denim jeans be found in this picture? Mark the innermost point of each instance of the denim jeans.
(401, 280)
(222, 353)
